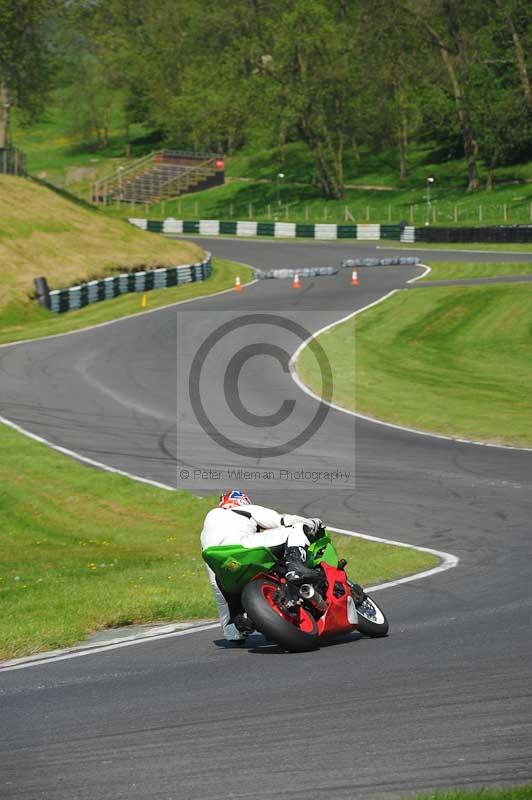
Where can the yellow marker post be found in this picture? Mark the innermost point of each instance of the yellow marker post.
(144, 301)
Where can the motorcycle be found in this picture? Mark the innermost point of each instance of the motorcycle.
(296, 617)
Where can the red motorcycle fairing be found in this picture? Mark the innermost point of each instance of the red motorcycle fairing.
(335, 620)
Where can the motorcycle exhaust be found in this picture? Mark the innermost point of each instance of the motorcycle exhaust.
(310, 595)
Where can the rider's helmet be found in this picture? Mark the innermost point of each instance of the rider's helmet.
(233, 499)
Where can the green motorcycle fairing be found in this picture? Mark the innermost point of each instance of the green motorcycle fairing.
(234, 565)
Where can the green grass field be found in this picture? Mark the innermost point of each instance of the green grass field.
(253, 189)
(380, 169)
(291, 202)
(448, 270)
(373, 192)
(454, 361)
(507, 793)
(84, 550)
(67, 157)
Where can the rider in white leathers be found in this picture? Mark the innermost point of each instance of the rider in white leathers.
(238, 521)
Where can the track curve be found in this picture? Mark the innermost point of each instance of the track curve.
(443, 701)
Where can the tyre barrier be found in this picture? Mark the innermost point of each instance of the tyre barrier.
(304, 272)
(61, 300)
(379, 262)
(278, 230)
(364, 232)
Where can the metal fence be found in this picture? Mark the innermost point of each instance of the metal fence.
(12, 161)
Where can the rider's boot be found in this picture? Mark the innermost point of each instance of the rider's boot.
(243, 624)
(296, 569)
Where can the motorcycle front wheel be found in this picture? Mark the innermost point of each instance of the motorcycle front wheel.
(371, 620)
(295, 632)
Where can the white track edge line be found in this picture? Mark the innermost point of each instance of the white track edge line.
(418, 277)
(135, 314)
(72, 453)
(115, 646)
(447, 560)
(297, 380)
(84, 459)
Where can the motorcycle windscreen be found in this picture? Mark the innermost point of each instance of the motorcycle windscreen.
(322, 550)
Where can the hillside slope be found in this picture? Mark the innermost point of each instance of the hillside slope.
(42, 233)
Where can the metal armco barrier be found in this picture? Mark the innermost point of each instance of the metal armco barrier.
(61, 300)
(498, 234)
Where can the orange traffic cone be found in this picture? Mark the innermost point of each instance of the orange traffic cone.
(354, 278)
(297, 283)
(237, 287)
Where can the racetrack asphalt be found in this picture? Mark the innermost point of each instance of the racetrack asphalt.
(443, 701)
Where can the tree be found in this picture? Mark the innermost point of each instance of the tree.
(500, 86)
(333, 74)
(307, 72)
(446, 28)
(398, 61)
(92, 70)
(514, 14)
(26, 59)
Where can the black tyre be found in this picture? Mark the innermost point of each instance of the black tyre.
(296, 632)
(371, 619)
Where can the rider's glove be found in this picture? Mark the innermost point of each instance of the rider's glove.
(312, 527)
(287, 520)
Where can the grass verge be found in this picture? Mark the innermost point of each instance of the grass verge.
(43, 233)
(449, 270)
(128, 554)
(507, 793)
(454, 361)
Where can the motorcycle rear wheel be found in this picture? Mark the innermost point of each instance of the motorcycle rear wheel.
(296, 633)
(371, 619)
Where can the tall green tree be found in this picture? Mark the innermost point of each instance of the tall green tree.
(92, 74)
(501, 85)
(400, 66)
(26, 58)
(447, 25)
(516, 17)
(308, 72)
(333, 74)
